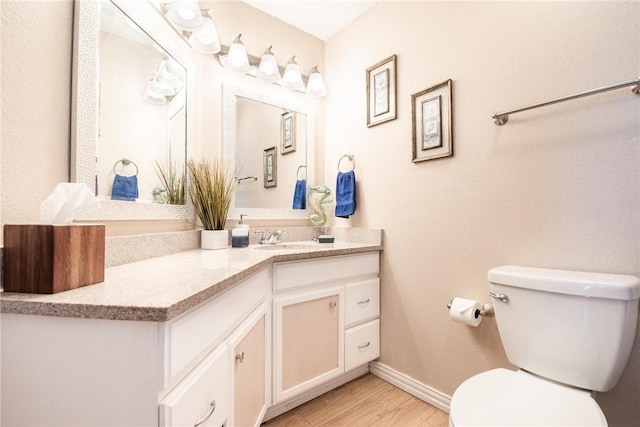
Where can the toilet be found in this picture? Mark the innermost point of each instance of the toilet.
(570, 334)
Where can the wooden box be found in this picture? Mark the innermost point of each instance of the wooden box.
(46, 259)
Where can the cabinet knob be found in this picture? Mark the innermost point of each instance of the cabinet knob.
(208, 415)
(240, 357)
(333, 304)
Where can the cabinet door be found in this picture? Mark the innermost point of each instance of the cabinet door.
(309, 341)
(201, 398)
(248, 349)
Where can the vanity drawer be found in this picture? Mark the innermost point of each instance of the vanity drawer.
(301, 273)
(202, 397)
(361, 344)
(362, 302)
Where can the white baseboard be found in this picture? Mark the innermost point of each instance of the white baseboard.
(411, 386)
(306, 396)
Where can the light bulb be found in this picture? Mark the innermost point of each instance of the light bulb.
(292, 77)
(186, 15)
(268, 69)
(237, 59)
(315, 85)
(205, 39)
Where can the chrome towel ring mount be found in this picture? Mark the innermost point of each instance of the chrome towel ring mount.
(125, 163)
(349, 157)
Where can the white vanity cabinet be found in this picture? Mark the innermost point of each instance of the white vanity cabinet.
(249, 369)
(230, 386)
(98, 372)
(325, 320)
(201, 399)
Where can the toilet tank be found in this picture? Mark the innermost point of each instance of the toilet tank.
(573, 327)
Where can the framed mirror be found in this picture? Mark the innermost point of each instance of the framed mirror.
(258, 118)
(120, 127)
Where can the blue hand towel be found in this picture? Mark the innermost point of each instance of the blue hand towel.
(125, 188)
(299, 194)
(345, 194)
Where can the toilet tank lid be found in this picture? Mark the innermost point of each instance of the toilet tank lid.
(595, 285)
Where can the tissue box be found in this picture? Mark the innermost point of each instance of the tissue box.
(46, 259)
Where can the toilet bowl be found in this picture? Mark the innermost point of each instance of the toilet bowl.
(569, 332)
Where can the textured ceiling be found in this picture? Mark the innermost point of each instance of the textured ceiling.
(320, 18)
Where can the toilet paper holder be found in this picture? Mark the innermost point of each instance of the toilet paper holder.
(485, 311)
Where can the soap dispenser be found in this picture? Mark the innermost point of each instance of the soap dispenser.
(240, 234)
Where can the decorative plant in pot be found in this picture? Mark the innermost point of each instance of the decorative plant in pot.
(211, 187)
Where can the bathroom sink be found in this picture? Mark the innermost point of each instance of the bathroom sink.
(283, 246)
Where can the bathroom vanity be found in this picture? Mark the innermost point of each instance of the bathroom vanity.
(229, 337)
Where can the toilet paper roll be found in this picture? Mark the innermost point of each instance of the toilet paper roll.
(464, 311)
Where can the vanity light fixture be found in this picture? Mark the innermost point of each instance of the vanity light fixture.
(315, 84)
(186, 15)
(292, 78)
(268, 69)
(237, 59)
(205, 38)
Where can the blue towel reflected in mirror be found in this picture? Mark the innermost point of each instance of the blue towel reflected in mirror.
(125, 188)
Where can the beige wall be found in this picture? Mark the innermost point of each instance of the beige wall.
(36, 99)
(556, 187)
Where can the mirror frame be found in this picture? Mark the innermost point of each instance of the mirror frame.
(85, 103)
(281, 98)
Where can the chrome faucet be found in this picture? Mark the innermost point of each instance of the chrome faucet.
(274, 238)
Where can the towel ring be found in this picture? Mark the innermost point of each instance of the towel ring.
(298, 171)
(125, 163)
(351, 159)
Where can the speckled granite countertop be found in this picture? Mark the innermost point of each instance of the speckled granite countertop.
(161, 288)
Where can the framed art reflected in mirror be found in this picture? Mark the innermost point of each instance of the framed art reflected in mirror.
(287, 132)
(270, 167)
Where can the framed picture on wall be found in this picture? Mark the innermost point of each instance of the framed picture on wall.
(381, 92)
(432, 123)
(287, 132)
(270, 167)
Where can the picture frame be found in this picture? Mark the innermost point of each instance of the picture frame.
(431, 113)
(381, 92)
(287, 132)
(270, 167)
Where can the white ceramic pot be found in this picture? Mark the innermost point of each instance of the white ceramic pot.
(214, 239)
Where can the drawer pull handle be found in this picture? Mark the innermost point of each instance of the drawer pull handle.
(333, 304)
(240, 357)
(206, 417)
(364, 301)
(360, 347)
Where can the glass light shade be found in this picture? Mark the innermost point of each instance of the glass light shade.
(163, 89)
(315, 85)
(292, 77)
(268, 69)
(237, 59)
(205, 39)
(175, 68)
(186, 15)
(165, 78)
(152, 96)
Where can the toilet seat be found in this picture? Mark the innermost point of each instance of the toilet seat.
(501, 397)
